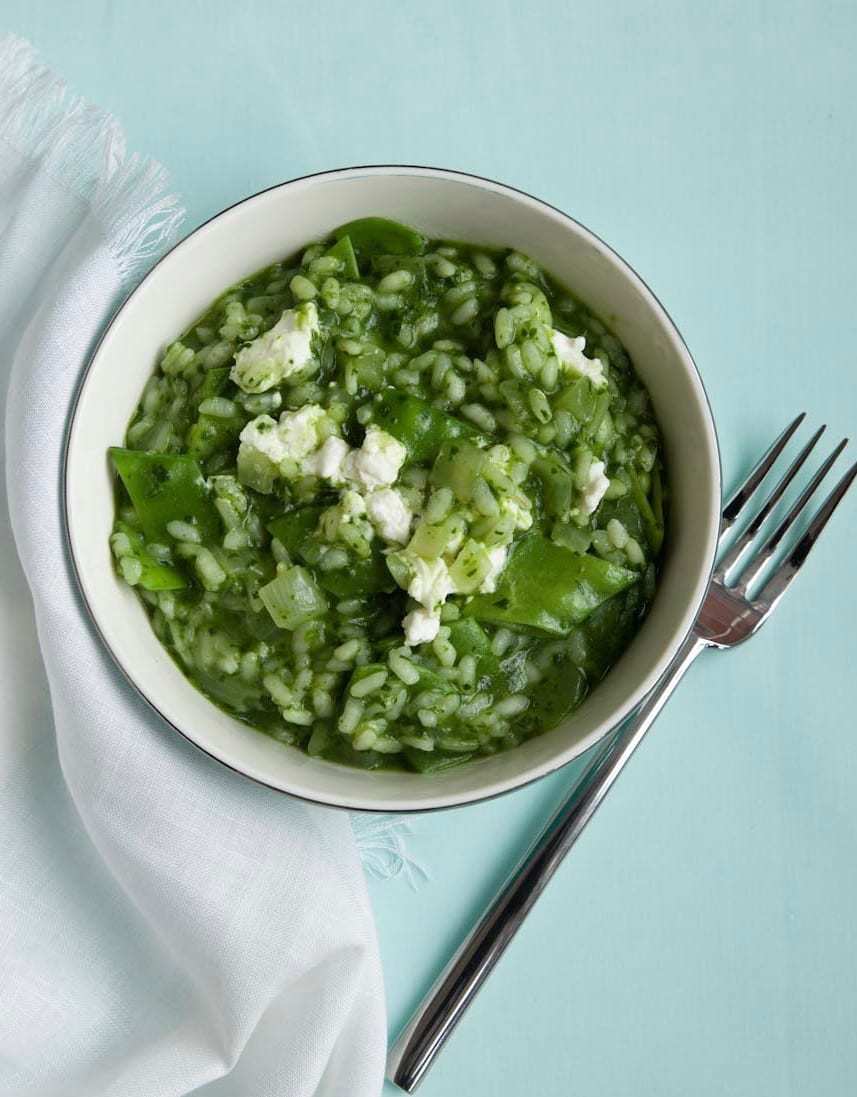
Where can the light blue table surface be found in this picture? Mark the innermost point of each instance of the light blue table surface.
(701, 939)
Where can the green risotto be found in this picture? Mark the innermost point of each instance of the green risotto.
(397, 502)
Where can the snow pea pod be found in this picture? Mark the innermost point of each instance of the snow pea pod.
(609, 629)
(435, 761)
(154, 575)
(469, 638)
(549, 589)
(561, 690)
(380, 236)
(343, 249)
(422, 428)
(292, 530)
(360, 578)
(165, 487)
(653, 523)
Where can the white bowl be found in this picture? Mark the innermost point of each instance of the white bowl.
(277, 223)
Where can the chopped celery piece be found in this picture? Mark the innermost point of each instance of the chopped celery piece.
(430, 539)
(470, 567)
(256, 470)
(165, 487)
(602, 403)
(458, 466)
(549, 589)
(293, 598)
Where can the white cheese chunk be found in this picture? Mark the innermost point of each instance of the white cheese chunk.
(376, 464)
(430, 582)
(570, 354)
(263, 435)
(421, 626)
(595, 487)
(326, 462)
(390, 515)
(292, 445)
(283, 350)
(299, 430)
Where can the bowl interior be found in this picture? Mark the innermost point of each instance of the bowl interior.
(279, 222)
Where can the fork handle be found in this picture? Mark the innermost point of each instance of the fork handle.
(442, 1008)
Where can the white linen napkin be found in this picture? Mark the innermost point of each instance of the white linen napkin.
(166, 926)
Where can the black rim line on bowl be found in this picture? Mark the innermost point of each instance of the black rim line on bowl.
(478, 799)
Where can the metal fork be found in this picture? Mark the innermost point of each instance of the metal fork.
(730, 615)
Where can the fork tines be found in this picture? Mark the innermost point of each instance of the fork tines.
(776, 584)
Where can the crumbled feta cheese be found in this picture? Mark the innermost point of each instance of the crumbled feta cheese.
(498, 556)
(390, 514)
(430, 581)
(299, 430)
(421, 626)
(376, 464)
(283, 350)
(263, 435)
(326, 462)
(293, 446)
(595, 487)
(570, 354)
(293, 443)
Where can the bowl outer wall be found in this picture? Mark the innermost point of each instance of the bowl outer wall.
(277, 222)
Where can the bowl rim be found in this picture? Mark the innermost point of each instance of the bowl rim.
(455, 800)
